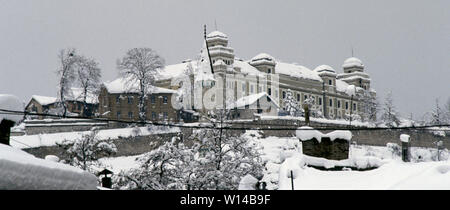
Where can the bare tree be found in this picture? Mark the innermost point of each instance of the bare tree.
(89, 75)
(66, 74)
(139, 66)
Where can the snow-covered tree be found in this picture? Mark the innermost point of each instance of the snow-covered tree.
(313, 111)
(88, 76)
(225, 156)
(217, 159)
(290, 104)
(389, 116)
(437, 115)
(85, 152)
(369, 106)
(172, 166)
(66, 74)
(139, 66)
(447, 111)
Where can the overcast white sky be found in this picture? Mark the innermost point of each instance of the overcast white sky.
(405, 45)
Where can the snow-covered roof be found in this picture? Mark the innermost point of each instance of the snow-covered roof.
(263, 57)
(249, 100)
(44, 100)
(10, 102)
(351, 90)
(203, 76)
(352, 62)
(120, 85)
(175, 70)
(77, 94)
(295, 70)
(324, 68)
(246, 68)
(341, 86)
(306, 133)
(22, 171)
(217, 34)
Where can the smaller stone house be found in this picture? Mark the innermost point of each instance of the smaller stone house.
(74, 101)
(119, 101)
(256, 104)
(40, 104)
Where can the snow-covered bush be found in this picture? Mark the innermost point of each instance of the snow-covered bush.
(217, 160)
(85, 152)
(395, 149)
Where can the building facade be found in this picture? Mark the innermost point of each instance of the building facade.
(325, 87)
(119, 102)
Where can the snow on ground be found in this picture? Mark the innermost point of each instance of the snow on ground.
(20, 170)
(51, 139)
(392, 175)
(282, 155)
(117, 164)
(285, 154)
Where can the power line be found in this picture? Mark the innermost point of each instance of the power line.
(213, 126)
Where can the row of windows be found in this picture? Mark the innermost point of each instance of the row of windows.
(339, 104)
(163, 115)
(152, 99)
(244, 87)
(319, 102)
(228, 62)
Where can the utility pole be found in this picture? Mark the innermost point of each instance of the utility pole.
(325, 114)
(351, 109)
(207, 49)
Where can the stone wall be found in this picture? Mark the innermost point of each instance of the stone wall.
(65, 125)
(125, 146)
(286, 128)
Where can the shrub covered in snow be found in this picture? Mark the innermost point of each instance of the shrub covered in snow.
(216, 160)
(85, 152)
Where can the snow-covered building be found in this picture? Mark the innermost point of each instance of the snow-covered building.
(264, 73)
(74, 101)
(119, 101)
(256, 104)
(40, 104)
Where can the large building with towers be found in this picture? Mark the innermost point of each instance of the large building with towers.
(263, 73)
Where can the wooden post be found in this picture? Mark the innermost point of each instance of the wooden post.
(292, 179)
(405, 147)
(306, 108)
(440, 146)
(5, 131)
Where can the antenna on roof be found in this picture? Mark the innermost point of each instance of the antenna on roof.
(352, 51)
(215, 24)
